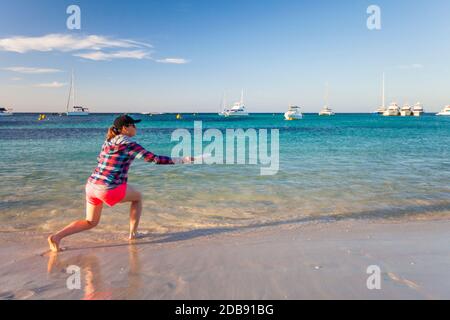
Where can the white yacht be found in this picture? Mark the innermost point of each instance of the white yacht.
(444, 112)
(382, 109)
(76, 110)
(293, 113)
(406, 111)
(418, 110)
(237, 110)
(5, 112)
(392, 111)
(326, 111)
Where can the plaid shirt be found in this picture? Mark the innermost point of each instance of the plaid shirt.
(115, 160)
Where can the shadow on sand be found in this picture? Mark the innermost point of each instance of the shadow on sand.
(389, 213)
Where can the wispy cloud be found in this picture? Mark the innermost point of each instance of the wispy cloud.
(16, 79)
(28, 70)
(65, 43)
(91, 47)
(410, 66)
(173, 60)
(105, 56)
(54, 84)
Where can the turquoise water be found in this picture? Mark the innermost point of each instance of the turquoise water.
(350, 165)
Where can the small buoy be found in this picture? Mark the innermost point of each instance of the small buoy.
(178, 116)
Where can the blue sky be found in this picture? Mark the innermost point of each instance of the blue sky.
(181, 56)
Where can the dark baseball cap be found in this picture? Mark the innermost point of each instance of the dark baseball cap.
(124, 121)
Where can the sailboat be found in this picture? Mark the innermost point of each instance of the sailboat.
(76, 110)
(237, 110)
(326, 111)
(382, 109)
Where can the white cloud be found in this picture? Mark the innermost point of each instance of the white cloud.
(173, 60)
(27, 70)
(91, 47)
(105, 56)
(16, 79)
(65, 43)
(54, 84)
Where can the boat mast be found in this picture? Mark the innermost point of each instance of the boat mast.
(223, 105)
(73, 84)
(326, 95)
(70, 93)
(384, 100)
(242, 97)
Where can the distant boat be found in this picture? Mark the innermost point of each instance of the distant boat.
(444, 112)
(326, 111)
(76, 110)
(293, 113)
(406, 111)
(5, 112)
(151, 113)
(237, 110)
(417, 110)
(382, 109)
(392, 111)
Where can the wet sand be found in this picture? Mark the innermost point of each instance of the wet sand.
(323, 260)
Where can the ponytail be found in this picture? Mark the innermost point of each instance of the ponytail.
(112, 132)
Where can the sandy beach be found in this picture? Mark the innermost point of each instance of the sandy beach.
(320, 260)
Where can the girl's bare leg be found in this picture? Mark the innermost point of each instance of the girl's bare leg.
(135, 197)
(93, 214)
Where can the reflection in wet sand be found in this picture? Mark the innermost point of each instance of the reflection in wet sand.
(94, 286)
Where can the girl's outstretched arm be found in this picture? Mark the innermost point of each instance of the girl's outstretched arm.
(139, 152)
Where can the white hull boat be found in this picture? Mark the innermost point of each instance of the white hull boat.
(293, 113)
(417, 110)
(392, 111)
(444, 112)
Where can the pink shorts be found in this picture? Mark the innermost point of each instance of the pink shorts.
(110, 197)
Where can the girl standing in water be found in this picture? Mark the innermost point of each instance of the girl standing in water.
(108, 183)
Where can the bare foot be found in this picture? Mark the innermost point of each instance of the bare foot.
(53, 243)
(132, 236)
(135, 236)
